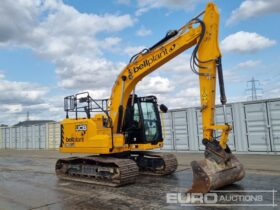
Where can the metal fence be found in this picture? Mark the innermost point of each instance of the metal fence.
(256, 127)
(41, 136)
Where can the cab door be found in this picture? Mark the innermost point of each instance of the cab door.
(150, 121)
(134, 131)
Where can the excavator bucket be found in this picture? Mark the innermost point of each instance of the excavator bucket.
(209, 175)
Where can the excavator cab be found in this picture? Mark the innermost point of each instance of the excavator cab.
(142, 121)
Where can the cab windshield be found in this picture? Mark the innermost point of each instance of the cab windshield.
(150, 121)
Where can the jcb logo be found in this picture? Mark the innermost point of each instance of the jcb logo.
(81, 127)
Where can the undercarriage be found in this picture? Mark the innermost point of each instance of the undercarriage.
(115, 170)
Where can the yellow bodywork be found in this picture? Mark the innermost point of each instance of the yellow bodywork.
(98, 139)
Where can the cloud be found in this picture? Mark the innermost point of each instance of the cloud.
(100, 94)
(11, 114)
(253, 8)
(245, 42)
(143, 31)
(16, 98)
(110, 42)
(71, 40)
(75, 42)
(18, 18)
(155, 85)
(132, 50)
(13, 92)
(248, 64)
(186, 97)
(180, 64)
(232, 77)
(67, 37)
(81, 72)
(146, 5)
(46, 107)
(190, 92)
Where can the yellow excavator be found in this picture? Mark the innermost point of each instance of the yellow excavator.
(126, 126)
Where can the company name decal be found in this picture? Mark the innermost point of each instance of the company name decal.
(149, 61)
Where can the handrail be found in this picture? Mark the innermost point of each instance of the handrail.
(83, 102)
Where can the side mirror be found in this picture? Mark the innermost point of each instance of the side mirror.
(163, 108)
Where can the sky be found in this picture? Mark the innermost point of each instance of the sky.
(52, 48)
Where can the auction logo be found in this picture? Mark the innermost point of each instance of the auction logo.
(224, 198)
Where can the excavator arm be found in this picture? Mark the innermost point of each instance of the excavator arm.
(205, 37)
(220, 167)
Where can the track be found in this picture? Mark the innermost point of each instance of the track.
(108, 171)
(115, 171)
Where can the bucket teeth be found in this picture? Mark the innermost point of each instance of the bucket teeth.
(209, 175)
